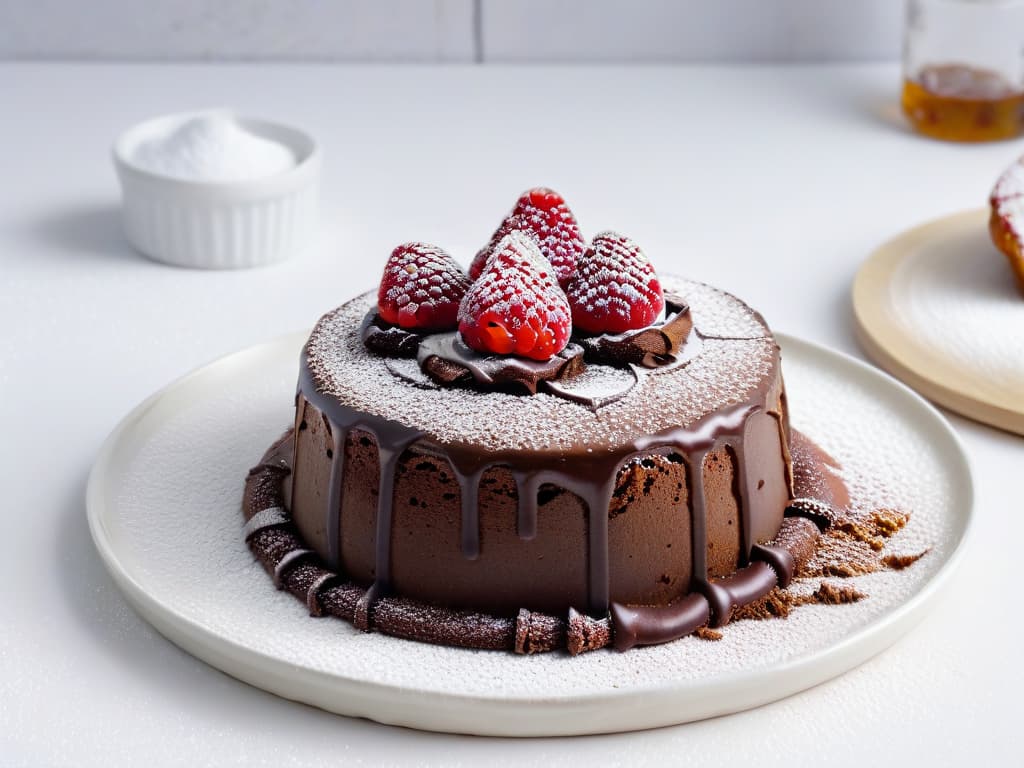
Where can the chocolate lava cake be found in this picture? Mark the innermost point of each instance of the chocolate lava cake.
(557, 449)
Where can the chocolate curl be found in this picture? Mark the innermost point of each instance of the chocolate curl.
(386, 339)
(650, 347)
(538, 632)
(821, 513)
(586, 634)
(799, 536)
(446, 359)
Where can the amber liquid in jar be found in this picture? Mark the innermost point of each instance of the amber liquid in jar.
(961, 103)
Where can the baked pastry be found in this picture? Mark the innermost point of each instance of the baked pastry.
(1006, 224)
(563, 451)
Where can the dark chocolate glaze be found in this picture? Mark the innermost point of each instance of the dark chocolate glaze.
(591, 478)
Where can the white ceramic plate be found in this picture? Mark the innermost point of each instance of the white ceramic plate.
(164, 511)
(938, 307)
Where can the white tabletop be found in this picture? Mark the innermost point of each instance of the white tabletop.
(771, 182)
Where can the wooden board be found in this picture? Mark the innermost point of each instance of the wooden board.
(937, 306)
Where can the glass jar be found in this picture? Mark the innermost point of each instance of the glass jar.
(963, 68)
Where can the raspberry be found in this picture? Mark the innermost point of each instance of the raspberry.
(515, 306)
(542, 213)
(615, 288)
(421, 288)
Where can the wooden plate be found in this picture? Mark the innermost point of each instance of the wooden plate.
(937, 306)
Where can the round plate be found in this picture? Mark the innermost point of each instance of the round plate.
(938, 307)
(164, 511)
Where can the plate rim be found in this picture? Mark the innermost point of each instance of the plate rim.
(559, 715)
(884, 340)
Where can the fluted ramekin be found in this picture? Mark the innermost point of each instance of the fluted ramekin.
(219, 225)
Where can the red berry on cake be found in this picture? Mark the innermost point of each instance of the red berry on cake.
(542, 213)
(421, 288)
(515, 307)
(615, 288)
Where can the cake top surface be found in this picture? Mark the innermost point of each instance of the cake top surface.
(735, 359)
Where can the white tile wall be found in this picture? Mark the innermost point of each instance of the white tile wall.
(453, 30)
(674, 30)
(416, 30)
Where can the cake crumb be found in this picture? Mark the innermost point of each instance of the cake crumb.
(707, 633)
(846, 549)
(899, 562)
(835, 594)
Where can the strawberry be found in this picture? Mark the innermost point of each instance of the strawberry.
(542, 213)
(615, 288)
(515, 307)
(421, 288)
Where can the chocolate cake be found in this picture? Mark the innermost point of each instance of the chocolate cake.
(519, 484)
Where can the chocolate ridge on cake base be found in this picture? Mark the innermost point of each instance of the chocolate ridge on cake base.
(275, 541)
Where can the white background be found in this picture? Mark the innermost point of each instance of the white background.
(771, 182)
(453, 30)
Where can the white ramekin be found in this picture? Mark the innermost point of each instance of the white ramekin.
(219, 225)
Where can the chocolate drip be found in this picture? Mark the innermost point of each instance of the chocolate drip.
(469, 486)
(339, 436)
(392, 440)
(698, 516)
(389, 454)
(598, 498)
(746, 523)
(527, 486)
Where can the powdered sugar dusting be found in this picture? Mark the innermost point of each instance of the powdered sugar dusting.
(726, 372)
(717, 314)
(1011, 209)
(1011, 183)
(1007, 198)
